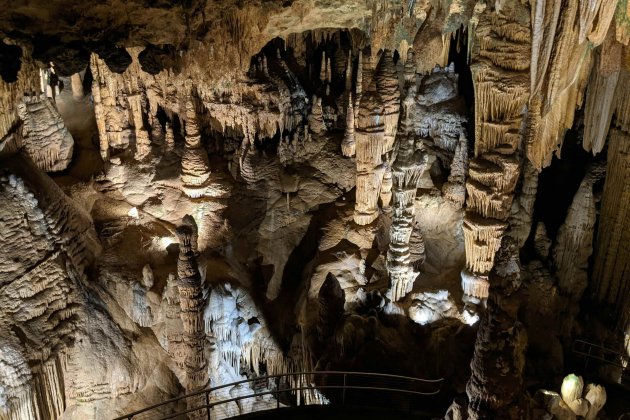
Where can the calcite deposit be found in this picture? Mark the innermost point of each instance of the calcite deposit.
(200, 194)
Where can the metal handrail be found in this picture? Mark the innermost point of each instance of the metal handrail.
(590, 346)
(436, 383)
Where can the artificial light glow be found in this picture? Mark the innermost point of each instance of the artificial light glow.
(470, 318)
(166, 241)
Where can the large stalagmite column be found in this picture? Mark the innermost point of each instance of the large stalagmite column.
(192, 304)
(388, 87)
(374, 135)
(369, 137)
(195, 165)
(500, 71)
(495, 386)
(406, 171)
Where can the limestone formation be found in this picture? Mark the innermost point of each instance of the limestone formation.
(348, 145)
(191, 301)
(406, 171)
(251, 189)
(501, 91)
(195, 167)
(495, 387)
(45, 138)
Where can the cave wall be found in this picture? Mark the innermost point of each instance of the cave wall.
(285, 186)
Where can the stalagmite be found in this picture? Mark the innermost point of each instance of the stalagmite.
(495, 387)
(348, 145)
(315, 118)
(406, 172)
(387, 86)
(195, 166)
(501, 92)
(523, 206)
(410, 68)
(331, 299)
(455, 190)
(191, 303)
(369, 136)
(169, 138)
(574, 242)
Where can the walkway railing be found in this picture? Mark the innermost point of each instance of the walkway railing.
(293, 389)
(600, 353)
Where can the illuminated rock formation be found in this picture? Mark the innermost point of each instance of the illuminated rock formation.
(386, 79)
(406, 172)
(195, 167)
(191, 301)
(560, 62)
(501, 91)
(348, 145)
(45, 138)
(369, 134)
(348, 208)
(143, 143)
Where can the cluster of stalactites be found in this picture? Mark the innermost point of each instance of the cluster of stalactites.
(562, 43)
(195, 165)
(191, 302)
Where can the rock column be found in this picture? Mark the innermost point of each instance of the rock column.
(191, 301)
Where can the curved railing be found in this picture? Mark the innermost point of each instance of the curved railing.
(293, 389)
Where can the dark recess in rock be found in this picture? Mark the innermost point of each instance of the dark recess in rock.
(68, 58)
(116, 58)
(154, 59)
(10, 62)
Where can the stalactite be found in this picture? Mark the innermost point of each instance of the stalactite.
(560, 64)
(45, 138)
(482, 238)
(359, 83)
(143, 143)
